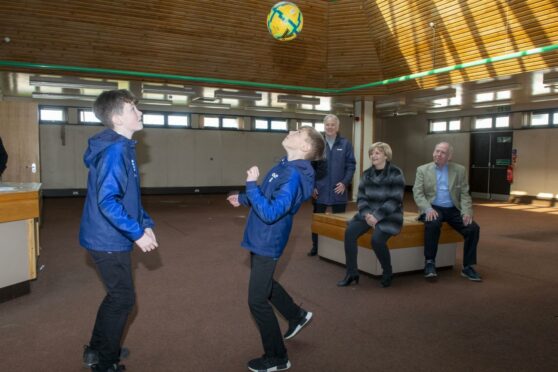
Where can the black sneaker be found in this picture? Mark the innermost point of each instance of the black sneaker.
(430, 269)
(269, 364)
(313, 252)
(91, 356)
(113, 368)
(470, 273)
(296, 325)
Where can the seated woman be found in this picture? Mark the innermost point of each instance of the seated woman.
(380, 207)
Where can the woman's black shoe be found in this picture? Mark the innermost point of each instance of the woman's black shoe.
(348, 280)
(386, 280)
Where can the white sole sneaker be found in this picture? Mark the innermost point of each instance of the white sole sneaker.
(307, 319)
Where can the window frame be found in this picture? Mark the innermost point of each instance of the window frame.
(552, 118)
(447, 122)
(220, 120)
(493, 118)
(63, 109)
(269, 121)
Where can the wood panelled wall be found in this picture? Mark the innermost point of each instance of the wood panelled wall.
(343, 43)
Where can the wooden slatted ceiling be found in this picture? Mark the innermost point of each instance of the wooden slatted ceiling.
(343, 43)
(226, 40)
(465, 31)
(351, 53)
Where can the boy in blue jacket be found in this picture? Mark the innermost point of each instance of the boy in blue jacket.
(273, 205)
(113, 220)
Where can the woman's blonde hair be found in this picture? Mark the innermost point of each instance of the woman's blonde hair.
(383, 147)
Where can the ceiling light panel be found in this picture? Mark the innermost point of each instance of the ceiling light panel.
(238, 95)
(66, 82)
(162, 89)
(298, 99)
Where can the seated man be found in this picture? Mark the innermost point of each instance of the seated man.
(441, 192)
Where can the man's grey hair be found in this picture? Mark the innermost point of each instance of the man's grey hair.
(331, 116)
(450, 147)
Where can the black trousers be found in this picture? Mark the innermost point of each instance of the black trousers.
(357, 228)
(453, 217)
(263, 292)
(321, 208)
(116, 273)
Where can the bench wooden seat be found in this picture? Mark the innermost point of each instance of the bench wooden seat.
(406, 248)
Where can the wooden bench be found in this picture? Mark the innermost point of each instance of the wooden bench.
(406, 248)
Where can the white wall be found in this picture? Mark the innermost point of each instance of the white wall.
(536, 169)
(166, 157)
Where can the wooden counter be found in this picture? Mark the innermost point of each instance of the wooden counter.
(19, 232)
(406, 249)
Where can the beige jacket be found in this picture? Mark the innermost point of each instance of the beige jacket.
(424, 190)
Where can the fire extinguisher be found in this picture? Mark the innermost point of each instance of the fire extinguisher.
(509, 174)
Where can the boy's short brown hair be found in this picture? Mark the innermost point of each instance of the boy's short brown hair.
(112, 102)
(316, 141)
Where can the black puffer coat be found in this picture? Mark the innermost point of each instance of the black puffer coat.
(382, 195)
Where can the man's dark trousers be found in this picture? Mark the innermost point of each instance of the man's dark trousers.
(453, 217)
(116, 274)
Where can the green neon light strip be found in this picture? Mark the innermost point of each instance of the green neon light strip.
(417, 75)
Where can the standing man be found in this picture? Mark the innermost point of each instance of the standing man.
(3, 158)
(113, 220)
(441, 192)
(333, 174)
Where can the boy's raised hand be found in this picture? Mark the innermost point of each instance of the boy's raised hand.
(252, 174)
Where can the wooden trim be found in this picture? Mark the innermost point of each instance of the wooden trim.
(32, 247)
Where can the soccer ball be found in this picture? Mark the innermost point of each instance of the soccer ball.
(284, 21)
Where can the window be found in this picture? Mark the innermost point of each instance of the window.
(493, 96)
(225, 122)
(455, 124)
(53, 115)
(318, 125)
(445, 125)
(178, 120)
(261, 124)
(543, 118)
(86, 116)
(171, 119)
(502, 121)
(210, 121)
(483, 123)
(154, 119)
(489, 122)
(279, 125)
(230, 123)
(438, 126)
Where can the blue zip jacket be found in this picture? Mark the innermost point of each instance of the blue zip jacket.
(283, 190)
(113, 217)
(340, 163)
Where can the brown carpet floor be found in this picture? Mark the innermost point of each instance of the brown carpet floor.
(192, 312)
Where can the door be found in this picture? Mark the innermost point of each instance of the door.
(490, 157)
(19, 129)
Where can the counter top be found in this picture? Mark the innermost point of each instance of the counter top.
(19, 201)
